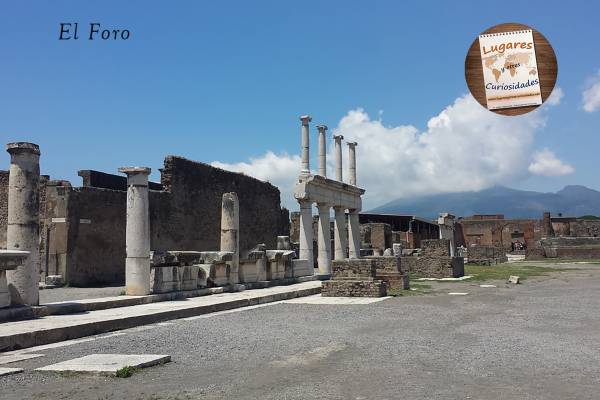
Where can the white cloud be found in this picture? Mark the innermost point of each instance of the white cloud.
(545, 163)
(465, 147)
(591, 94)
(555, 97)
(279, 169)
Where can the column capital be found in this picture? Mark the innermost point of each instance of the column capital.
(322, 128)
(305, 203)
(305, 119)
(14, 148)
(338, 137)
(323, 205)
(137, 176)
(352, 144)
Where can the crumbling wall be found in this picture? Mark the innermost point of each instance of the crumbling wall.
(190, 218)
(585, 228)
(486, 255)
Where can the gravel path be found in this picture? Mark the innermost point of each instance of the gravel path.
(531, 341)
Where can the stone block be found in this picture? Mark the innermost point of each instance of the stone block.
(54, 280)
(107, 364)
(435, 247)
(388, 269)
(353, 288)
(354, 269)
(252, 267)
(302, 268)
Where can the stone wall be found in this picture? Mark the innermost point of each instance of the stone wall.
(585, 227)
(190, 218)
(3, 207)
(86, 225)
(434, 267)
(435, 248)
(486, 255)
(566, 248)
(103, 180)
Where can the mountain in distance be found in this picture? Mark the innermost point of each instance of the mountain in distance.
(572, 200)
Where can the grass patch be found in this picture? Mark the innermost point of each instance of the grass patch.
(125, 372)
(503, 271)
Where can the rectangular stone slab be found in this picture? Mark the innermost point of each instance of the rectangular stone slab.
(10, 358)
(10, 371)
(107, 363)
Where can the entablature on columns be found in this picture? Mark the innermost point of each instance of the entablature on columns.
(318, 189)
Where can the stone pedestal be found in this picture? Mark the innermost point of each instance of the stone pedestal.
(230, 225)
(22, 231)
(324, 240)
(340, 233)
(137, 233)
(10, 260)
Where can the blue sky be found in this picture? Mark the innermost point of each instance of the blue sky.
(226, 81)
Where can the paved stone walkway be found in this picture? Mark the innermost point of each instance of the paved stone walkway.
(55, 328)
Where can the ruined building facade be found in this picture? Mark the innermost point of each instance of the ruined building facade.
(82, 229)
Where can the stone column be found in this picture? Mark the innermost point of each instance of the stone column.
(230, 226)
(306, 232)
(305, 169)
(353, 234)
(352, 163)
(324, 240)
(322, 151)
(340, 233)
(338, 157)
(137, 233)
(23, 227)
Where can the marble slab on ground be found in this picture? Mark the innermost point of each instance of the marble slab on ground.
(462, 278)
(10, 371)
(10, 358)
(107, 363)
(318, 299)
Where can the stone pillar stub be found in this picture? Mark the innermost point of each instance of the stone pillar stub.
(322, 150)
(352, 163)
(137, 232)
(340, 233)
(306, 231)
(324, 240)
(22, 231)
(353, 234)
(338, 157)
(305, 167)
(230, 235)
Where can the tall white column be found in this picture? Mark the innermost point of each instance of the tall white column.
(322, 150)
(137, 233)
(305, 168)
(340, 233)
(306, 232)
(352, 163)
(324, 240)
(23, 229)
(353, 234)
(338, 157)
(230, 226)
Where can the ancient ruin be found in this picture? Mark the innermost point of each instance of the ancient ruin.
(326, 194)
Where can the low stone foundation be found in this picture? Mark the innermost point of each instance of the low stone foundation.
(363, 277)
(567, 248)
(486, 255)
(347, 288)
(434, 261)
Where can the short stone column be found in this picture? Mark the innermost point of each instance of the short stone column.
(306, 231)
(324, 240)
(230, 237)
(137, 233)
(352, 163)
(322, 150)
(338, 157)
(340, 233)
(305, 168)
(353, 234)
(23, 227)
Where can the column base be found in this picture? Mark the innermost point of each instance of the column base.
(137, 276)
